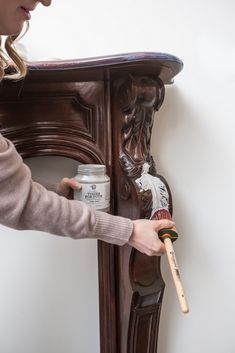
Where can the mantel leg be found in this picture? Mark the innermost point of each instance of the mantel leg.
(139, 281)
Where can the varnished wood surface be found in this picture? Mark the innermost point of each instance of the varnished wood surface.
(101, 110)
(165, 66)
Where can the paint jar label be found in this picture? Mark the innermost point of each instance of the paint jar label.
(95, 195)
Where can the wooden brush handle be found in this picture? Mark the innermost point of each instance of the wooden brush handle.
(176, 274)
(167, 236)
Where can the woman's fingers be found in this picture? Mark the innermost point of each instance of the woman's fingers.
(72, 183)
(163, 223)
(145, 236)
(65, 186)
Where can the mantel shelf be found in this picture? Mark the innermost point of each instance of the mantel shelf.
(165, 66)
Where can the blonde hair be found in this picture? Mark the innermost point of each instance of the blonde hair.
(8, 51)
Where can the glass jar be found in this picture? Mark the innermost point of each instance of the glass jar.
(95, 186)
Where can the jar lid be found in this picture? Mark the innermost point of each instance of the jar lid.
(91, 169)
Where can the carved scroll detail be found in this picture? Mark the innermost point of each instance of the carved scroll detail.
(139, 98)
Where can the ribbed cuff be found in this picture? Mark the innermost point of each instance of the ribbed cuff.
(112, 229)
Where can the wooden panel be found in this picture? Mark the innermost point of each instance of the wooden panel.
(62, 119)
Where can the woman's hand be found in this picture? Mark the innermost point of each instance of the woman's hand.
(66, 186)
(144, 236)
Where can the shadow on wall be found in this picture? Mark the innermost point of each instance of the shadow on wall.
(168, 125)
(183, 142)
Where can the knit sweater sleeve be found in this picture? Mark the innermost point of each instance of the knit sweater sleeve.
(26, 204)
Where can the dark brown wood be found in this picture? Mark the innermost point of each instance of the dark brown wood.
(134, 101)
(101, 110)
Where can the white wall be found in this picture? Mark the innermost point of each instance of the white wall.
(48, 285)
(193, 145)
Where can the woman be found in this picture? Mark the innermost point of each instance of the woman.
(28, 205)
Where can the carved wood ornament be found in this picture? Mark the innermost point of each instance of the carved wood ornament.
(101, 110)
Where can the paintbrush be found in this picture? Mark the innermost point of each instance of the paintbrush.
(168, 236)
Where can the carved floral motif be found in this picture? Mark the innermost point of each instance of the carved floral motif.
(139, 98)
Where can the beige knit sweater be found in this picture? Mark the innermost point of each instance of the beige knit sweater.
(25, 204)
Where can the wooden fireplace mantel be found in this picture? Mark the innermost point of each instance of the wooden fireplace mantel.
(101, 110)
